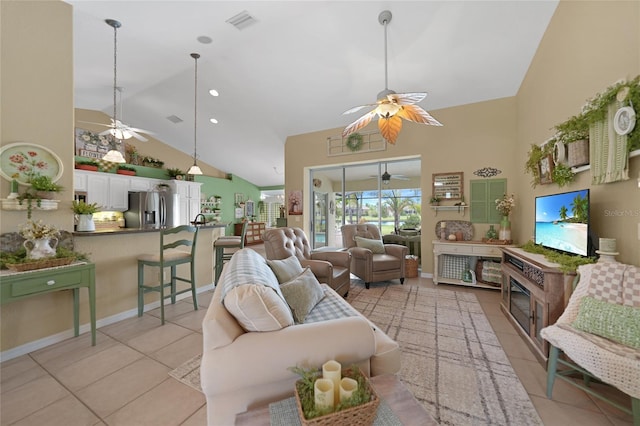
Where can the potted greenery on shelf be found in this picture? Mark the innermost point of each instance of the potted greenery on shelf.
(84, 212)
(123, 169)
(435, 200)
(175, 173)
(90, 165)
(44, 187)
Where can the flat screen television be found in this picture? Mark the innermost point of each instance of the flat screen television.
(562, 222)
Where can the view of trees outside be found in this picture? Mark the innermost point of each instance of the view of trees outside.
(396, 209)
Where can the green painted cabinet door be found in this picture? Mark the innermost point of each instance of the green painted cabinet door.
(482, 201)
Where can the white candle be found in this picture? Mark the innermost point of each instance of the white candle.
(332, 370)
(347, 387)
(443, 225)
(323, 394)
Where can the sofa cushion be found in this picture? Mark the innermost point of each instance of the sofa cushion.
(251, 293)
(286, 269)
(302, 293)
(376, 246)
(615, 322)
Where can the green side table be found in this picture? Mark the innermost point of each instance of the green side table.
(20, 285)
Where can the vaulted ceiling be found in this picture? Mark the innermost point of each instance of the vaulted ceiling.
(295, 68)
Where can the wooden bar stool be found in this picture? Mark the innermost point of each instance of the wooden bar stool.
(169, 257)
(221, 246)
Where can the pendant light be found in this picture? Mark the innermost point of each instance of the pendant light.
(386, 177)
(114, 155)
(195, 170)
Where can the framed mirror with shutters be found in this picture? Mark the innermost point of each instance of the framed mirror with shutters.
(482, 202)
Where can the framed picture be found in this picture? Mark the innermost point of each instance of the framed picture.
(23, 161)
(448, 186)
(295, 202)
(239, 199)
(546, 170)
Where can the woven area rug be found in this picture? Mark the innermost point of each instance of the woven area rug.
(452, 361)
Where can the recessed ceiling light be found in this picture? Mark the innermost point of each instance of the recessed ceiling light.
(204, 39)
(213, 92)
(213, 120)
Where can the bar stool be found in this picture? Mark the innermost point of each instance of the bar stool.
(170, 258)
(227, 242)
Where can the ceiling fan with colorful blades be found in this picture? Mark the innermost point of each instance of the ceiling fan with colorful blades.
(391, 107)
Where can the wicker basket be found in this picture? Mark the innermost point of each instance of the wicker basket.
(361, 415)
(411, 266)
(40, 264)
(578, 153)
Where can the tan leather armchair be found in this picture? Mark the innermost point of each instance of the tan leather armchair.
(368, 266)
(329, 267)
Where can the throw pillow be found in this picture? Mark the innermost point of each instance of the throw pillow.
(258, 308)
(376, 246)
(286, 269)
(615, 322)
(302, 294)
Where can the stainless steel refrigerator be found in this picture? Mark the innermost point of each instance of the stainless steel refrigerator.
(152, 209)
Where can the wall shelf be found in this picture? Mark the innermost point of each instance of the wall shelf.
(459, 209)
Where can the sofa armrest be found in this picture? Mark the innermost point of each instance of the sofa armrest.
(396, 250)
(361, 253)
(337, 258)
(320, 268)
(261, 358)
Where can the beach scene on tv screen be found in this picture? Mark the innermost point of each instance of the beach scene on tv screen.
(562, 221)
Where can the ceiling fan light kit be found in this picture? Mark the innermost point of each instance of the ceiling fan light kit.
(195, 170)
(391, 107)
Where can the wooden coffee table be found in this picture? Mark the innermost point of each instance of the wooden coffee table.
(388, 387)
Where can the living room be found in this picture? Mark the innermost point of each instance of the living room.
(37, 105)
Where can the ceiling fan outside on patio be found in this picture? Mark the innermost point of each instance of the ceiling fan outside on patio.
(117, 128)
(386, 177)
(391, 107)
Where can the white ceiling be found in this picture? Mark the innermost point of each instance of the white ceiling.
(296, 69)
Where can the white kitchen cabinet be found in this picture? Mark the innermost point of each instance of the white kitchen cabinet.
(189, 199)
(119, 192)
(111, 191)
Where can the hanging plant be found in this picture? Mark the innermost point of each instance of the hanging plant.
(562, 175)
(354, 142)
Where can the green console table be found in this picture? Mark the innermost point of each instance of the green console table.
(20, 285)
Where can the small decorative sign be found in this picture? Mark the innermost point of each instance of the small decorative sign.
(448, 186)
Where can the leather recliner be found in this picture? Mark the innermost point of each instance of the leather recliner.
(371, 267)
(330, 267)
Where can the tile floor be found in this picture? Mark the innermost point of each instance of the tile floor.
(124, 379)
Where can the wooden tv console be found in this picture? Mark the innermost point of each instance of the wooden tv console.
(534, 294)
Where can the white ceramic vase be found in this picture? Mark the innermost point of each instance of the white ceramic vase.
(41, 248)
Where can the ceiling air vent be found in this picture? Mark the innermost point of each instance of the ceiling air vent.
(242, 20)
(175, 119)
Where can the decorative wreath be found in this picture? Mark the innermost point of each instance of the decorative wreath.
(354, 142)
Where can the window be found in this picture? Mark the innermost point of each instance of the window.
(484, 193)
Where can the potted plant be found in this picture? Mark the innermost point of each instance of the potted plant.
(435, 200)
(44, 187)
(90, 165)
(175, 173)
(123, 169)
(84, 212)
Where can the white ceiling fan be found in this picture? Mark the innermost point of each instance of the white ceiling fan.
(391, 107)
(117, 128)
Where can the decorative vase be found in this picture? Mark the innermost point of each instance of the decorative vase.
(40, 248)
(505, 229)
(492, 234)
(85, 223)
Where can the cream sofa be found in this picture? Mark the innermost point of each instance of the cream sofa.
(243, 369)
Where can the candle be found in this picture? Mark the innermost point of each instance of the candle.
(323, 394)
(14, 185)
(332, 370)
(347, 387)
(443, 225)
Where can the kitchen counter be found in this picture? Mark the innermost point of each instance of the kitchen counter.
(122, 231)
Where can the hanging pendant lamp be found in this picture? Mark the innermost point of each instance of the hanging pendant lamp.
(386, 177)
(114, 155)
(195, 170)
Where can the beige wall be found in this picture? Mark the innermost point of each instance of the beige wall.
(473, 136)
(587, 48)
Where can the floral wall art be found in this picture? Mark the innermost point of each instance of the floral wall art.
(95, 145)
(295, 202)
